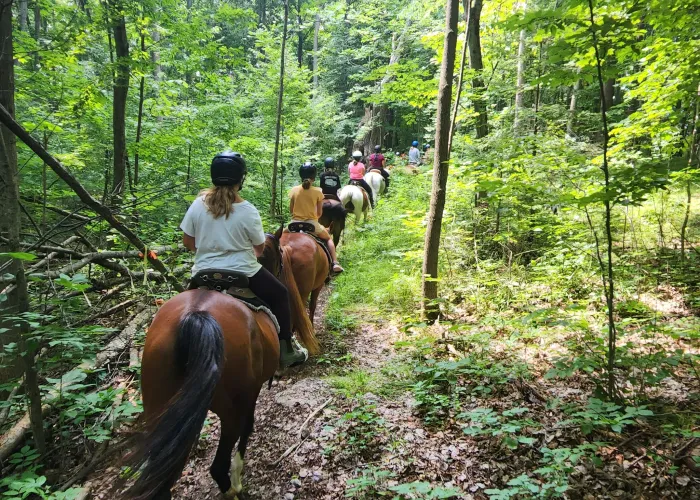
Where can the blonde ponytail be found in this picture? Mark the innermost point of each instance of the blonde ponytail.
(219, 200)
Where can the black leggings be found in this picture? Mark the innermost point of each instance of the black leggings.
(363, 184)
(275, 294)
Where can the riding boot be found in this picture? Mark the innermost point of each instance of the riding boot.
(290, 355)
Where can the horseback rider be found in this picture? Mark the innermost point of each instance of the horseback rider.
(330, 180)
(414, 154)
(377, 162)
(356, 170)
(306, 205)
(225, 232)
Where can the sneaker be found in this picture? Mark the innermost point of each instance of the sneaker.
(337, 268)
(291, 354)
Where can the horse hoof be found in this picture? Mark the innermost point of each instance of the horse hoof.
(231, 495)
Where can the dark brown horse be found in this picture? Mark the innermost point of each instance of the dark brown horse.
(333, 217)
(308, 263)
(207, 351)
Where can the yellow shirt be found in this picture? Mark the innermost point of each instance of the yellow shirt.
(305, 202)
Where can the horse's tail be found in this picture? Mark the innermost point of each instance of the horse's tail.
(300, 318)
(199, 351)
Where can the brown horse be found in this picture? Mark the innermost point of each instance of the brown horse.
(207, 350)
(333, 217)
(302, 256)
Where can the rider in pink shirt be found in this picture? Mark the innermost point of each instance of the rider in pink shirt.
(356, 170)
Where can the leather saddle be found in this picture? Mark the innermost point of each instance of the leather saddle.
(309, 229)
(229, 282)
(334, 197)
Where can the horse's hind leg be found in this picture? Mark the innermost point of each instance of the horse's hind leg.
(163, 494)
(230, 431)
(313, 301)
(238, 463)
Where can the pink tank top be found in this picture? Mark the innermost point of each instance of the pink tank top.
(356, 170)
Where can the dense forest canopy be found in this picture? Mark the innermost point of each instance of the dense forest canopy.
(535, 276)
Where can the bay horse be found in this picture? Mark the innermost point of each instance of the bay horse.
(306, 260)
(206, 350)
(333, 217)
(355, 200)
(376, 182)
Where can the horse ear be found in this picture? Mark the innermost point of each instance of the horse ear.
(330, 226)
(278, 233)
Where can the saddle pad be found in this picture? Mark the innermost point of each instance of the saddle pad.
(234, 284)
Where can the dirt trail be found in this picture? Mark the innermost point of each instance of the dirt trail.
(281, 411)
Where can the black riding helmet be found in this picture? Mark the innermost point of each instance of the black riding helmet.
(377, 148)
(228, 169)
(329, 163)
(307, 171)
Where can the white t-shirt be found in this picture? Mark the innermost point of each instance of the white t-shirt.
(225, 243)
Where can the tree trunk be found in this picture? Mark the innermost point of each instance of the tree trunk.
(609, 281)
(37, 31)
(692, 157)
(17, 302)
(572, 109)
(155, 54)
(121, 88)
(476, 63)
(278, 127)
(139, 119)
(262, 11)
(9, 182)
(23, 14)
(467, 4)
(300, 37)
(609, 93)
(440, 163)
(519, 92)
(317, 26)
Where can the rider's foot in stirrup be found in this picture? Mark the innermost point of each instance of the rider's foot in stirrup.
(290, 355)
(337, 268)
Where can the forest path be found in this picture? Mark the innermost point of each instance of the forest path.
(307, 472)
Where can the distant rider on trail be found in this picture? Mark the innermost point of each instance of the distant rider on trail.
(356, 170)
(225, 232)
(330, 180)
(414, 154)
(378, 162)
(306, 205)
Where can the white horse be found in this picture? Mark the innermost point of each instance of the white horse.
(355, 200)
(377, 183)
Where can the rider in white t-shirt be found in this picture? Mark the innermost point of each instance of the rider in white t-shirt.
(226, 232)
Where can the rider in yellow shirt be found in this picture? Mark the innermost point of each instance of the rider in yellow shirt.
(306, 205)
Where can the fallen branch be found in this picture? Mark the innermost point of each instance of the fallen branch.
(102, 210)
(15, 436)
(100, 258)
(289, 451)
(311, 417)
(107, 312)
(303, 436)
(56, 209)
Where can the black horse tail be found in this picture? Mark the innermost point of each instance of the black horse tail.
(163, 452)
